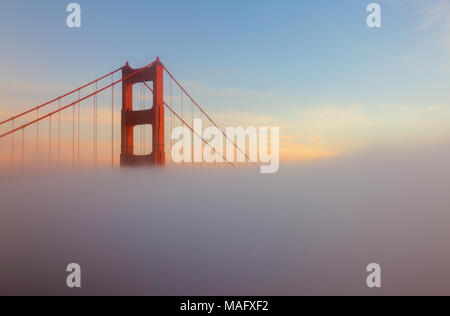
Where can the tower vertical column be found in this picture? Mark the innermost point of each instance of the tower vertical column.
(158, 125)
(127, 130)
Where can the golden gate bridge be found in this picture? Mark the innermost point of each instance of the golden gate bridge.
(70, 123)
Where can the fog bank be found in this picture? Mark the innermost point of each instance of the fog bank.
(312, 228)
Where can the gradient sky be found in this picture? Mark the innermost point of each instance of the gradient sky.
(312, 67)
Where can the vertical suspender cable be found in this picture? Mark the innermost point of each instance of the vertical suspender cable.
(37, 139)
(95, 126)
(140, 127)
(171, 115)
(201, 117)
(73, 137)
(143, 126)
(182, 106)
(112, 121)
(182, 117)
(50, 142)
(93, 144)
(143, 108)
(193, 136)
(79, 109)
(59, 133)
(12, 146)
(23, 148)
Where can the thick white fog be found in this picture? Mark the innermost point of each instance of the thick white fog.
(310, 229)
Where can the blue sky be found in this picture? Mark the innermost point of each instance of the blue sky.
(284, 61)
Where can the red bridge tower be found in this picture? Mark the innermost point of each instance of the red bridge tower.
(153, 116)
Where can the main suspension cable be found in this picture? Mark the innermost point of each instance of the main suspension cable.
(187, 125)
